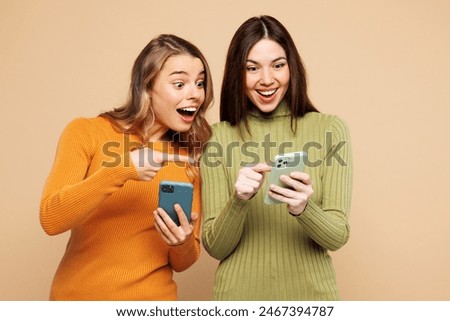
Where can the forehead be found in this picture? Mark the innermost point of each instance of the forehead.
(266, 50)
(182, 64)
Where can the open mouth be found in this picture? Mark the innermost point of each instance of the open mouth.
(267, 93)
(187, 111)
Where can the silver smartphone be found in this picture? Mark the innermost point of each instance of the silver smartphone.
(284, 164)
(171, 193)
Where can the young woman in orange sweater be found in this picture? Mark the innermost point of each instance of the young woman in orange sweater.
(104, 182)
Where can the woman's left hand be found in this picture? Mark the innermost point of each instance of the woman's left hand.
(298, 195)
(169, 231)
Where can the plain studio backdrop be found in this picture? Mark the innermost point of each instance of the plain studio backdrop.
(382, 66)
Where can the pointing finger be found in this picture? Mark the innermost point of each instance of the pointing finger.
(262, 167)
(176, 158)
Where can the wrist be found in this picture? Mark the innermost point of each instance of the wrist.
(298, 214)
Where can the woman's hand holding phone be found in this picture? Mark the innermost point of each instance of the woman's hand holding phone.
(288, 183)
(296, 194)
(170, 232)
(173, 218)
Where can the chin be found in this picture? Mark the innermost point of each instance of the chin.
(267, 108)
(182, 128)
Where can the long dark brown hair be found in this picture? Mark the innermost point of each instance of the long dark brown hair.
(234, 104)
(136, 115)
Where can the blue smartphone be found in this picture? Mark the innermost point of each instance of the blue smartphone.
(284, 164)
(171, 193)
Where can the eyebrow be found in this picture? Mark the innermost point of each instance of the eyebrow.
(182, 72)
(276, 59)
(176, 72)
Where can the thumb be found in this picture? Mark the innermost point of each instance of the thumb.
(194, 217)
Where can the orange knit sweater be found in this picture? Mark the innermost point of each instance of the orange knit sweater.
(114, 251)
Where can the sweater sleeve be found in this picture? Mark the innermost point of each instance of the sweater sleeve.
(224, 212)
(69, 196)
(328, 224)
(182, 256)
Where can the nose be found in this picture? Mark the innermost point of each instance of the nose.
(266, 77)
(194, 92)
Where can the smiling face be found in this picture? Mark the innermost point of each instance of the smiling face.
(177, 94)
(267, 75)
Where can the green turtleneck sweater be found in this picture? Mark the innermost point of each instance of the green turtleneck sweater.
(264, 252)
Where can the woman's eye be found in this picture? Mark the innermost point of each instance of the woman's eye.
(179, 84)
(280, 65)
(251, 68)
(200, 84)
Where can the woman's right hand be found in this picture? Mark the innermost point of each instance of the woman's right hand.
(250, 180)
(148, 161)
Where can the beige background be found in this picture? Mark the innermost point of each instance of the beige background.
(382, 65)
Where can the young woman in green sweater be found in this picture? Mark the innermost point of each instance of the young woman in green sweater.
(273, 252)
